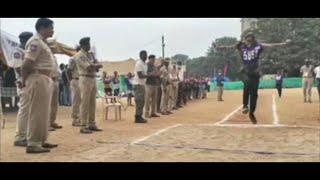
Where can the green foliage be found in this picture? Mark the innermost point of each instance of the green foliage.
(305, 36)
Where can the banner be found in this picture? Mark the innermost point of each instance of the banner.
(8, 44)
(226, 68)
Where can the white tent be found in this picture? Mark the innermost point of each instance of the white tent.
(8, 43)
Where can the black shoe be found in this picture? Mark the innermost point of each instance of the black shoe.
(85, 131)
(94, 128)
(252, 118)
(56, 126)
(174, 108)
(154, 115)
(36, 149)
(164, 113)
(20, 143)
(49, 146)
(245, 110)
(140, 119)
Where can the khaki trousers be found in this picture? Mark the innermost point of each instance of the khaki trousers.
(54, 102)
(22, 117)
(307, 86)
(76, 99)
(166, 90)
(220, 93)
(151, 99)
(88, 91)
(39, 92)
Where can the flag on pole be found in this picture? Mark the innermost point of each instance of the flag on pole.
(226, 68)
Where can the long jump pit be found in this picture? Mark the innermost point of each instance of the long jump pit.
(235, 139)
(229, 144)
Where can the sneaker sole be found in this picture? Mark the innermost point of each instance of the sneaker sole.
(37, 152)
(86, 132)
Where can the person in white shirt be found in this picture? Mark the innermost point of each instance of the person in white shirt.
(317, 73)
(180, 88)
(307, 80)
(139, 81)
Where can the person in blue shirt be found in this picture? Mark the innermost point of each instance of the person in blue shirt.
(219, 80)
(279, 79)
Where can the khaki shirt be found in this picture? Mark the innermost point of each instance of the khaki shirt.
(165, 76)
(83, 61)
(306, 71)
(55, 72)
(73, 67)
(173, 74)
(18, 56)
(39, 52)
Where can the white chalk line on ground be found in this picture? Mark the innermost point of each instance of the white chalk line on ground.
(228, 116)
(154, 134)
(274, 111)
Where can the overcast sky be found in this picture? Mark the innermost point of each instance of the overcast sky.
(121, 38)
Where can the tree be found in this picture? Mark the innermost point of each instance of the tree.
(305, 34)
(180, 58)
(197, 66)
(219, 59)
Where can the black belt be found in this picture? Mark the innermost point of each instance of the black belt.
(86, 75)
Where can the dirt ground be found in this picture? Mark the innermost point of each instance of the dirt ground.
(190, 134)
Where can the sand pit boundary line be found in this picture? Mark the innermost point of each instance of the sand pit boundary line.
(258, 126)
(239, 151)
(228, 116)
(274, 111)
(155, 134)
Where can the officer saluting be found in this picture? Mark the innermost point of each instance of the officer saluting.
(87, 68)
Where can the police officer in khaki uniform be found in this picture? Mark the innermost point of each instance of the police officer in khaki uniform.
(74, 85)
(165, 87)
(37, 67)
(174, 87)
(87, 68)
(151, 89)
(55, 97)
(22, 117)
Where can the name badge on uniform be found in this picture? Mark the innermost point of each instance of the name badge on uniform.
(17, 55)
(33, 48)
